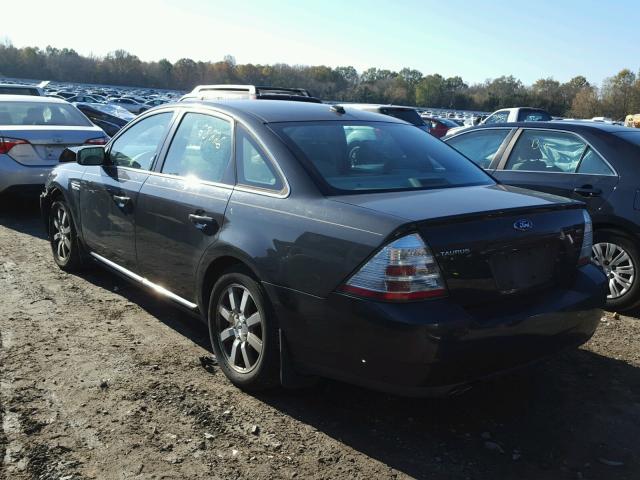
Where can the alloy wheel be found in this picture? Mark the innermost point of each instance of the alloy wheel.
(61, 234)
(617, 265)
(240, 328)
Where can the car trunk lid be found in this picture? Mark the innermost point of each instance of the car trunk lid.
(46, 143)
(494, 242)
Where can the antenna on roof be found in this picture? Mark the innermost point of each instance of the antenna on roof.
(338, 109)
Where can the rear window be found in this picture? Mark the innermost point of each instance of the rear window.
(528, 115)
(352, 157)
(215, 94)
(410, 116)
(447, 122)
(41, 113)
(19, 91)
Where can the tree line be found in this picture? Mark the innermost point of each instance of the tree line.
(618, 96)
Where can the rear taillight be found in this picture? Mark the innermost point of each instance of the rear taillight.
(587, 240)
(96, 141)
(402, 270)
(7, 144)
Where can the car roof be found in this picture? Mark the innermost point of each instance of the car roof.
(570, 125)
(271, 111)
(31, 98)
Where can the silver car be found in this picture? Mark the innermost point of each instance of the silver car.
(34, 131)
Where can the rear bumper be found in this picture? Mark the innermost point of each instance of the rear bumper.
(433, 347)
(15, 177)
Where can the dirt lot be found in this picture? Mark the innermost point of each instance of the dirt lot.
(101, 380)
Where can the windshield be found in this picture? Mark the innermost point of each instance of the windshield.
(19, 91)
(448, 123)
(41, 113)
(114, 110)
(363, 156)
(407, 115)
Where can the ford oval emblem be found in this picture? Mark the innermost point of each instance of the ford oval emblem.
(523, 224)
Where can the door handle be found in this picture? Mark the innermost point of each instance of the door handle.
(121, 199)
(588, 191)
(203, 222)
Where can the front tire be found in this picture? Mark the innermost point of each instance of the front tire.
(66, 249)
(242, 331)
(618, 256)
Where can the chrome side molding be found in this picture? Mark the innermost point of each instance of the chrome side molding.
(157, 288)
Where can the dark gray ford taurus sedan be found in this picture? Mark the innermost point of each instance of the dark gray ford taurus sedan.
(320, 240)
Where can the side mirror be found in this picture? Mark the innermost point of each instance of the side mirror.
(84, 155)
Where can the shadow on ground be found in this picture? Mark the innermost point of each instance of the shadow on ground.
(575, 416)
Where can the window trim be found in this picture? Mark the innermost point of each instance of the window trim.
(162, 155)
(270, 192)
(504, 146)
(516, 137)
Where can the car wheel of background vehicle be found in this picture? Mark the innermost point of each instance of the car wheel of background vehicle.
(618, 256)
(67, 252)
(243, 333)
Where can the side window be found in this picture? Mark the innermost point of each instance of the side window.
(253, 166)
(480, 146)
(498, 117)
(200, 148)
(138, 146)
(546, 151)
(593, 164)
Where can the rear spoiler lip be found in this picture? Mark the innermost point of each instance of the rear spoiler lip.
(569, 205)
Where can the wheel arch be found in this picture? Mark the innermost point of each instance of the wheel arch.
(213, 268)
(616, 227)
(53, 194)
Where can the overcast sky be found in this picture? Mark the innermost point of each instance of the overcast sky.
(476, 39)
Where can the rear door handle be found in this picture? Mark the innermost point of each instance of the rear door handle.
(588, 191)
(203, 222)
(121, 200)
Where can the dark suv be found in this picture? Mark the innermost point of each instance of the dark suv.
(592, 162)
(402, 268)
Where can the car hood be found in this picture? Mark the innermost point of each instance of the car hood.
(452, 202)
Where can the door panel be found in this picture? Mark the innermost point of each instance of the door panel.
(177, 220)
(182, 208)
(109, 194)
(108, 197)
(563, 184)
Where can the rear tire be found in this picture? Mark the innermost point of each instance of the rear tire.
(243, 331)
(618, 256)
(65, 246)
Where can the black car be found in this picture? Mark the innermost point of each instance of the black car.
(408, 114)
(406, 269)
(101, 117)
(592, 162)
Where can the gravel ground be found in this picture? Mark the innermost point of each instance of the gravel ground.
(102, 380)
